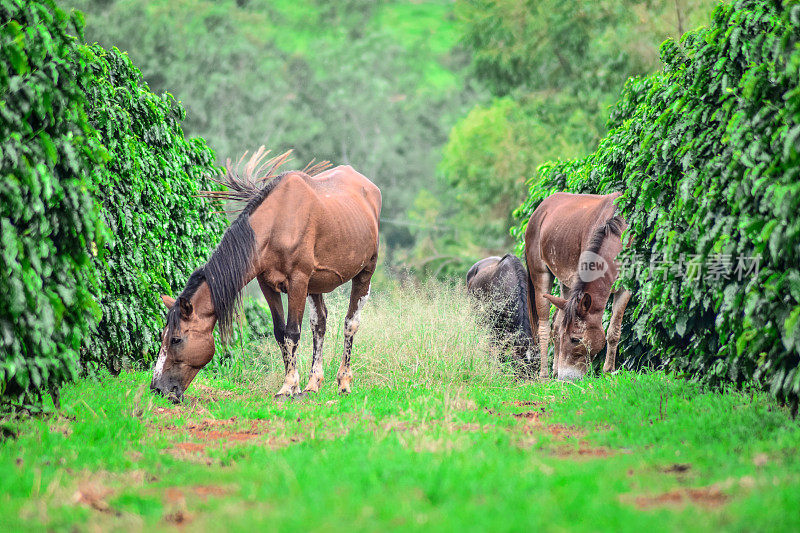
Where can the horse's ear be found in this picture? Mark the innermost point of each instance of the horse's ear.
(556, 300)
(186, 307)
(585, 305)
(169, 301)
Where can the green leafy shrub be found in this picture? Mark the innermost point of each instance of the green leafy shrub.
(258, 320)
(706, 153)
(148, 194)
(48, 161)
(99, 203)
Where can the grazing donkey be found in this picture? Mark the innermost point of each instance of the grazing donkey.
(575, 238)
(501, 283)
(303, 233)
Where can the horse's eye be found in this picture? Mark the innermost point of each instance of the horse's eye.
(175, 340)
(575, 340)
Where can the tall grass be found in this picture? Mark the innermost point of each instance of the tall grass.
(411, 335)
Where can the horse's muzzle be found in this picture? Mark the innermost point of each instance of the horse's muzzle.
(570, 374)
(173, 393)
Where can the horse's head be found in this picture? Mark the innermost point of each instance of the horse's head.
(187, 345)
(579, 336)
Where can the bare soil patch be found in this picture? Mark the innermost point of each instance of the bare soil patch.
(190, 451)
(178, 518)
(583, 451)
(709, 497)
(210, 429)
(526, 403)
(534, 424)
(677, 468)
(93, 494)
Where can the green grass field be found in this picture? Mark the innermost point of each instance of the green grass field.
(436, 435)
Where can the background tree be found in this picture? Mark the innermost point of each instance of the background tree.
(707, 155)
(553, 69)
(373, 84)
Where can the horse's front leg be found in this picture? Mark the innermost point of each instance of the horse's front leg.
(542, 284)
(318, 317)
(298, 291)
(621, 299)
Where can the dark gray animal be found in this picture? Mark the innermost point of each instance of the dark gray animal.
(501, 284)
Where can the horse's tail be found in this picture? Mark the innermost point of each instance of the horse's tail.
(533, 318)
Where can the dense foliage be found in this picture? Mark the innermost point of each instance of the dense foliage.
(48, 157)
(98, 203)
(553, 68)
(372, 84)
(257, 318)
(707, 154)
(148, 196)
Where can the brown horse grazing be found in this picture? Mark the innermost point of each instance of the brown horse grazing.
(300, 233)
(501, 283)
(576, 238)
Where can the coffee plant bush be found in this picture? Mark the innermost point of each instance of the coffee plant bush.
(706, 153)
(148, 193)
(99, 206)
(257, 318)
(49, 160)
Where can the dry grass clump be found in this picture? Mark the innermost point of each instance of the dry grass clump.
(411, 334)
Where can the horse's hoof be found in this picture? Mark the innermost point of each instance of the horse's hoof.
(300, 396)
(282, 397)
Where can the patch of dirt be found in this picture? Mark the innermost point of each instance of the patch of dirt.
(204, 491)
(528, 415)
(228, 432)
(677, 468)
(94, 495)
(760, 459)
(174, 495)
(709, 497)
(207, 431)
(178, 518)
(167, 411)
(209, 393)
(190, 447)
(560, 431)
(526, 403)
(583, 451)
(177, 496)
(557, 431)
(190, 451)
(211, 429)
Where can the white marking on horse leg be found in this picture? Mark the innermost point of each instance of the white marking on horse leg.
(543, 340)
(316, 373)
(159, 370)
(351, 325)
(291, 382)
(312, 312)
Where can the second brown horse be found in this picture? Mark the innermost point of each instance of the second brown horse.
(575, 238)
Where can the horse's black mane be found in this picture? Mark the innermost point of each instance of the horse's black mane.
(225, 270)
(227, 267)
(613, 226)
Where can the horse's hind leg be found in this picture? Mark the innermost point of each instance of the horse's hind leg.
(358, 296)
(318, 316)
(298, 291)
